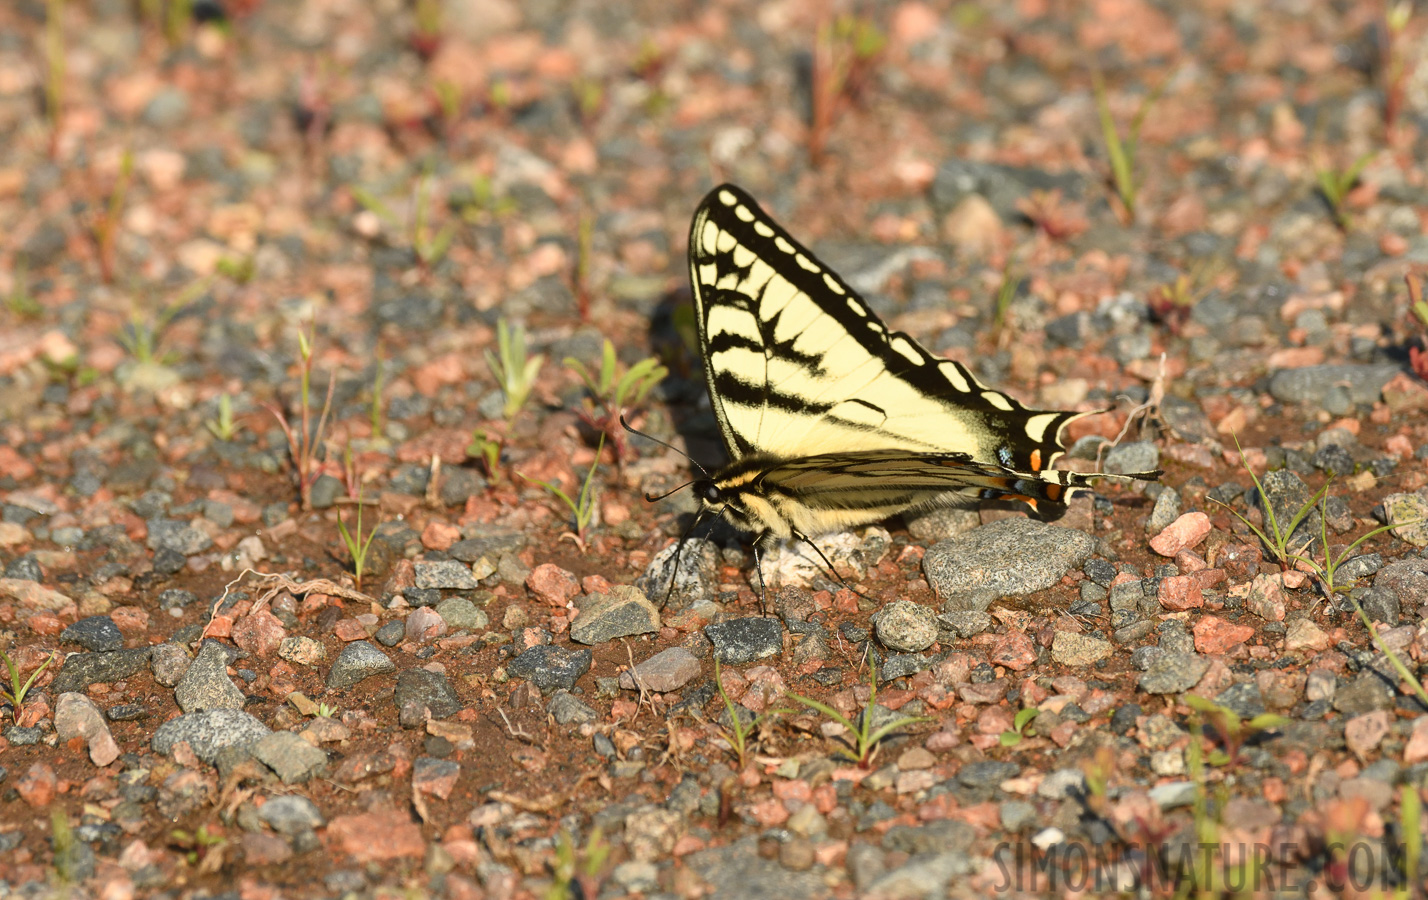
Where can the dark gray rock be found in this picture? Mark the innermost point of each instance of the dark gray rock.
(97, 633)
(668, 670)
(325, 491)
(358, 661)
(934, 837)
(1173, 673)
(169, 661)
(392, 633)
(421, 688)
(740, 641)
(25, 568)
(623, 612)
(209, 732)
(550, 668)
(83, 669)
(1136, 456)
(206, 685)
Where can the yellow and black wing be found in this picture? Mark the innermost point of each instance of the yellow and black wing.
(799, 366)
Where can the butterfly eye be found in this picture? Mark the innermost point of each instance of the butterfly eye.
(712, 494)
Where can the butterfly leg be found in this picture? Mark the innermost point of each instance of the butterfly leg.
(834, 572)
(759, 567)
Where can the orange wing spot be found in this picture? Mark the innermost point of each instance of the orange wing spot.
(1036, 460)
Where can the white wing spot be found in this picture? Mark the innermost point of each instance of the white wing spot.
(743, 213)
(807, 263)
(954, 377)
(727, 198)
(763, 229)
(997, 400)
(903, 346)
(876, 326)
(743, 256)
(856, 307)
(725, 242)
(833, 285)
(784, 245)
(1036, 426)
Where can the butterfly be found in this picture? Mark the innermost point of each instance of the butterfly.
(831, 420)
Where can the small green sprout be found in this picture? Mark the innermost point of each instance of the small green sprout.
(577, 871)
(487, 448)
(223, 427)
(1232, 731)
(738, 735)
(614, 394)
(1121, 148)
(1277, 539)
(1019, 727)
(305, 445)
(582, 508)
(864, 744)
(1335, 184)
(515, 372)
(356, 547)
(14, 693)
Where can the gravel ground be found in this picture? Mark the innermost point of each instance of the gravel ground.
(208, 208)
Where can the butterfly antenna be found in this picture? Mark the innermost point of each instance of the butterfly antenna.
(692, 461)
(652, 498)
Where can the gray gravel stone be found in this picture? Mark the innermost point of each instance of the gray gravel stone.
(668, 670)
(936, 836)
(1311, 385)
(77, 716)
(97, 633)
(169, 661)
(1165, 511)
(1072, 649)
(1364, 694)
(291, 814)
(206, 685)
(178, 536)
(925, 875)
(737, 870)
(740, 641)
(567, 709)
(290, 757)
(1008, 557)
(208, 732)
(446, 574)
(421, 688)
(906, 626)
(1136, 456)
(461, 614)
(83, 669)
(359, 660)
(623, 612)
(966, 622)
(1244, 699)
(696, 579)
(1173, 673)
(549, 667)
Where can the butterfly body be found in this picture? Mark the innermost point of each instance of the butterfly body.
(832, 420)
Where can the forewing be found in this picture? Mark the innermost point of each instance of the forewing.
(798, 364)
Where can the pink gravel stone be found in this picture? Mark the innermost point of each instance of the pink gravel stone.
(376, 836)
(1185, 532)
(553, 585)
(1013, 650)
(1180, 592)
(1214, 635)
(259, 633)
